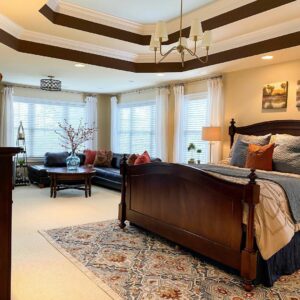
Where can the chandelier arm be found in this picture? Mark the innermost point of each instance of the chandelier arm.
(166, 54)
(199, 58)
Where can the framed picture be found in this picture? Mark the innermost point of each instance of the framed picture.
(298, 94)
(275, 95)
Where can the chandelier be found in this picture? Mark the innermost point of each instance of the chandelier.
(50, 84)
(196, 35)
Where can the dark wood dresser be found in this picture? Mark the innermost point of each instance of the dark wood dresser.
(6, 185)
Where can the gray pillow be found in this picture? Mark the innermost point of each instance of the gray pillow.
(286, 156)
(239, 154)
(260, 140)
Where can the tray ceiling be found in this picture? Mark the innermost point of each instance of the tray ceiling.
(145, 12)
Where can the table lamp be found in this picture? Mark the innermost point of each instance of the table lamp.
(211, 134)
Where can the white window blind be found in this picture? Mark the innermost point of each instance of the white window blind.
(137, 128)
(40, 119)
(195, 117)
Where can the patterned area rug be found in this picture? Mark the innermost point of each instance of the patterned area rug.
(134, 264)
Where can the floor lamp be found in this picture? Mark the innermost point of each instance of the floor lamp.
(211, 134)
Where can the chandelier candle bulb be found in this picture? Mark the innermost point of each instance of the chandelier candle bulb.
(207, 38)
(161, 33)
(196, 30)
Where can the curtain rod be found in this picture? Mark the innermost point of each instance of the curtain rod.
(169, 85)
(143, 89)
(8, 84)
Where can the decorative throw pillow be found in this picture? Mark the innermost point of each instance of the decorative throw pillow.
(260, 157)
(103, 158)
(287, 154)
(90, 156)
(57, 159)
(251, 139)
(131, 159)
(143, 159)
(239, 154)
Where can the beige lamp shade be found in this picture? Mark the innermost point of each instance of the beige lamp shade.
(211, 134)
(196, 30)
(207, 39)
(153, 43)
(161, 31)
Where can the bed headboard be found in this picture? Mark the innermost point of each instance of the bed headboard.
(275, 127)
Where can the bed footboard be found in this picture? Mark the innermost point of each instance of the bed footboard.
(193, 209)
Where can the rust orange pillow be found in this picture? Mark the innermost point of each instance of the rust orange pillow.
(260, 157)
(143, 159)
(90, 156)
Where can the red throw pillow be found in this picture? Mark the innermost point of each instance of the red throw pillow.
(90, 156)
(143, 159)
(260, 157)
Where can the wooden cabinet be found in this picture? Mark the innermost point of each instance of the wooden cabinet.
(6, 175)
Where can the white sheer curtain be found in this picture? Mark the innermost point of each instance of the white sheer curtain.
(114, 125)
(162, 102)
(178, 123)
(91, 119)
(216, 112)
(7, 118)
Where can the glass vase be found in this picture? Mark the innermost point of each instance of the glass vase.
(73, 162)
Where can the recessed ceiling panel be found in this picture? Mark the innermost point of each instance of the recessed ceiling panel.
(142, 11)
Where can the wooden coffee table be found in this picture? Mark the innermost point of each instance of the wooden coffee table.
(62, 179)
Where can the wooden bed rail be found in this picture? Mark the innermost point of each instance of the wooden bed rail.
(179, 203)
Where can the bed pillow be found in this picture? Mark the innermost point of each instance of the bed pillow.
(260, 157)
(103, 158)
(143, 159)
(287, 154)
(261, 140)
(239, 154)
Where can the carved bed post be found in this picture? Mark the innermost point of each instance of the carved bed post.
(232, 131)
(249, 254)
(122, 205)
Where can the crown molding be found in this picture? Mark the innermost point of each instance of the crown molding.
(10, 27)
(46, 39)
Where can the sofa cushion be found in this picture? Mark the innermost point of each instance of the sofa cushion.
(103, 159)
(90, 156)
(143, 159)
(109, 174)
(116, 161)
(55, 159)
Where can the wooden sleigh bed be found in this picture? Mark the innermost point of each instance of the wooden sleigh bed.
(197, 210)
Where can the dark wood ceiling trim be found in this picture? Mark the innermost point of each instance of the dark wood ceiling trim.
(229, 17)
(278, 43)
(92, 27)
(243, 12)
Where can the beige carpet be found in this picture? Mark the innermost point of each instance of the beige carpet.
(40, 272)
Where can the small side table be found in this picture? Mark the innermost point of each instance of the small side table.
(62, 179)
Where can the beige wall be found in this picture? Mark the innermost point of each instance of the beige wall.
(104, 122)
(243, 95)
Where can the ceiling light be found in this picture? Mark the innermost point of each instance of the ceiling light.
(160, 74)
(79, 65)
(196, 35)
(50, 84)
(267, 57)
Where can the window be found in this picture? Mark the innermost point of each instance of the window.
(40, 119)
(137, 127)
(194, 118)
